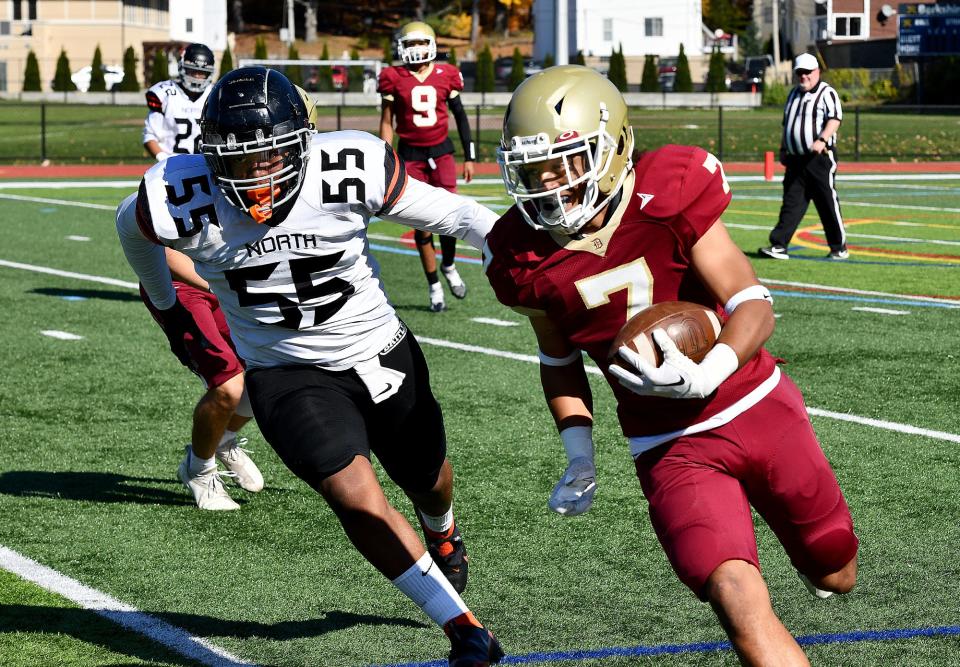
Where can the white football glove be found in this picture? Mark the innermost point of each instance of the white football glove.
(573, 494)
(678, 376)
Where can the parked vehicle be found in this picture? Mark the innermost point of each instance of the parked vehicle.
(667, 73)
(338, 74)
(503, 66)
(112, 75)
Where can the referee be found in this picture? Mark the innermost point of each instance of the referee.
(808, 150)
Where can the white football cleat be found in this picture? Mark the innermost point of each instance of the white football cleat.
(235, 459)
(822, 594)
(207, 487)
(436, 298)
(457, 287)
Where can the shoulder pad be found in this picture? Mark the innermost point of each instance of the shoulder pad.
(153, 101)
(178, 191)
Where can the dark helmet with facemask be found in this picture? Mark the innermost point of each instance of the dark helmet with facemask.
(255, 135)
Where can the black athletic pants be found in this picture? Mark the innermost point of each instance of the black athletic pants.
(810, 177)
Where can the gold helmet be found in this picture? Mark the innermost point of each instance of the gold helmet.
(311, 106)
(569, 121)
(417, 43)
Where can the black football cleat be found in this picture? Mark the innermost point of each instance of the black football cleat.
(449, 553)
(471, 645)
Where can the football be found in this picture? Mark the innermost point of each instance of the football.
(694, 328)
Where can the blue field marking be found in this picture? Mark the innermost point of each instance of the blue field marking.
(865, 299)
(853, 636)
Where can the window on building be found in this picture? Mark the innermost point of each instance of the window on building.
(17, 11)
(189, 25)
(653, 27)
(847, 25)
(608, 30)
(4, 27)
(32, 10)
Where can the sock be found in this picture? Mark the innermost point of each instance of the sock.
(440, 526)
(432, 278)
(198, 465)
(448, 248)
(228, 435)
(425, 584)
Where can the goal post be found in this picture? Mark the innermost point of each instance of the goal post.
(309, 69)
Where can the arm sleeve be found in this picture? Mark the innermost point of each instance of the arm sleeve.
(153, 125)
(455, 105)
(146, 258)
(437, 211)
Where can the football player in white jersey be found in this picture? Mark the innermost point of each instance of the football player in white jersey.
(172, 125)
(275, 219)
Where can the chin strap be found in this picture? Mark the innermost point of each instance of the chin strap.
(263, 209)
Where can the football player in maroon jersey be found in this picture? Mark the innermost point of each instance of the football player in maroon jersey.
(596, 235)
(416, 96)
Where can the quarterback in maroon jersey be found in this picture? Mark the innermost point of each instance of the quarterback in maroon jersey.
(595, 238)
(416, 97)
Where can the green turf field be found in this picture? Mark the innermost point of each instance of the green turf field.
(109, 134)
(92, 430)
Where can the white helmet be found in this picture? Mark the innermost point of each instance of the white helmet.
(417, 44)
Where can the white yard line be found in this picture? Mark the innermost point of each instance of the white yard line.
(61, 335)
(170, 636)
(846, 202)
(495, 322)
(61, 202)
(902, 428)
(863, 292)
(60, 185)
(880, 311)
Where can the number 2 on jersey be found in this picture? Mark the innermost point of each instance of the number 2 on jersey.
(634, 277)
(424, 102)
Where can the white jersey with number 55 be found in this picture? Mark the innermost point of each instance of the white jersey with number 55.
(306, 290)
(173, 119)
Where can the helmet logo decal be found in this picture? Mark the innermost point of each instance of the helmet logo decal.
(558, 106)
(569, 134)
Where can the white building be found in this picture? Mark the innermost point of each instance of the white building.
(204, 22)
(597, 27)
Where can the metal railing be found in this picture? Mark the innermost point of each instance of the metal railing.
(108, 133)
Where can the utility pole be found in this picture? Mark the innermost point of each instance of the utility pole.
(291, 31)
(562, 56)
(776, 36)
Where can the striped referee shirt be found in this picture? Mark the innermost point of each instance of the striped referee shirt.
(806, 114)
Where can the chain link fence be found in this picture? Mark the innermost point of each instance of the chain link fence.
(104, 134)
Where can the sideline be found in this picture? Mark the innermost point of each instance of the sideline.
(170, 636)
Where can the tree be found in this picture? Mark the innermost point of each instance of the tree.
(31, 75)
(578, 59)
(293, 71)
(355, 73)
(729, 15)
(452, 57)
(97, 83)
(516, 71)
(226, 62)
(683, 83)
(160, 69)
(485, 76)
(129, 83)
(387, 45)
(324, 73)
(618, 70)
(61, 80)
(548, 61)
(750, 44)
(650, 83)
(260, 49)
(717, 74)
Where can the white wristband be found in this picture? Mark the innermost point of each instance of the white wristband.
(720, 363)
(162, 155)
(578, 442)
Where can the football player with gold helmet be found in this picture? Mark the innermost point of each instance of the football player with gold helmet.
(598, 233)
(416, 97)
